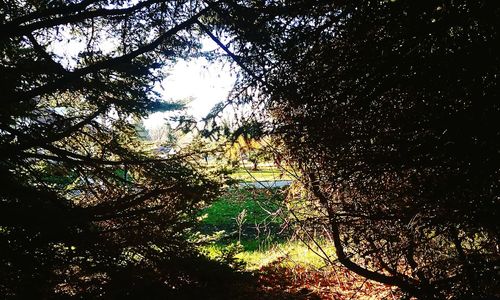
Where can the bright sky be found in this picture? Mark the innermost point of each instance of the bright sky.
(207, 83)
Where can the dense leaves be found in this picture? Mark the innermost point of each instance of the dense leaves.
(84, 209)
(390, 109)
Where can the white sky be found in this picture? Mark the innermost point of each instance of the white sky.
(207, 83)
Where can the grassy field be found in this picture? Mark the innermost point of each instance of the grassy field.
(249, 225)
(249, 222)
(259, 205)
(249, 216)
(264, 173)
(289, 254)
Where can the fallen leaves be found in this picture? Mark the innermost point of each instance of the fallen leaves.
(331, 282)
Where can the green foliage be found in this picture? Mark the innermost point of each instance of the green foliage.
(84, 204)
(227, 255)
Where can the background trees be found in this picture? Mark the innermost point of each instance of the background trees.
(83, 208)
(390, 108)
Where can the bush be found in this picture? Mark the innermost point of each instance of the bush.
(390, 110)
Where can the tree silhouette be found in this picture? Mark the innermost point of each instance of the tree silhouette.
(390, 109)
(82, 205)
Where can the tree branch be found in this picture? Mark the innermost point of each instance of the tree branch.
(344, 258)
(12, 30)
(112, 62)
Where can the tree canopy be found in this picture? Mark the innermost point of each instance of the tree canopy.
(83, 207)
(390, 109)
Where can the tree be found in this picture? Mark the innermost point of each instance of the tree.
(390, 109)
(163, 135)
(70, 223)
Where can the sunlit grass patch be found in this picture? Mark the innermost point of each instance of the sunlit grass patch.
(278, 262)
(255, 255)
(225, 210)
(259, 207)
(289, 253)
(238, 212)
(261, 174)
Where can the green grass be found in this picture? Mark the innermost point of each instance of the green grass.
(289, 253)
(256, 249)
(259, 206)
(262, 174)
